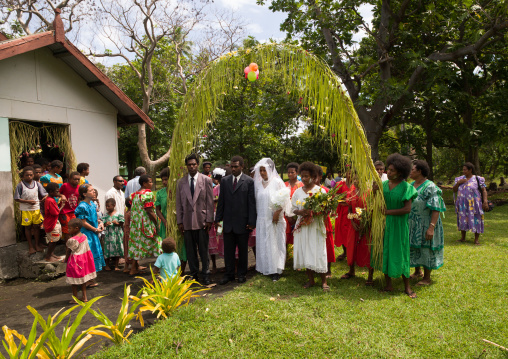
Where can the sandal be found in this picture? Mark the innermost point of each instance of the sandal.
(347, 276)
(326, 287)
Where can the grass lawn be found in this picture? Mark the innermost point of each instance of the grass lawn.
(466, 303)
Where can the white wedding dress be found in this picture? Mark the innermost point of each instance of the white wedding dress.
(270, 237)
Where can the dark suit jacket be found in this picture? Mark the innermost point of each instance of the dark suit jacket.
(194, 212)
(237, 208)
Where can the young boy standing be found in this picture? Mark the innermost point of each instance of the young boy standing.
(52, 227)
(28, 194)
(84, 170)
(70, 191)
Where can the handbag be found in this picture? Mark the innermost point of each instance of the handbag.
(490, 204)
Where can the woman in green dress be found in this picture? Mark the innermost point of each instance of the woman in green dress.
(398, 195)
(161, 208)
(425, 227)
(144, 240)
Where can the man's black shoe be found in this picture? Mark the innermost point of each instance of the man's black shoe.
(225, 281)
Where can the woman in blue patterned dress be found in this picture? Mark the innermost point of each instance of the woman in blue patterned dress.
(87, 212)
(468, 203)
(426, 236)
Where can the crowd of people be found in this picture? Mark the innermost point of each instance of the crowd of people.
(224, 211)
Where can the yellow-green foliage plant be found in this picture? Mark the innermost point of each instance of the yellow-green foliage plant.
(65, 347)
(116, 330)
(309, 81)
(18, 346)
(164, 296)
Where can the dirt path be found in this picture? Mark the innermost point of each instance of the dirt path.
(49, 297)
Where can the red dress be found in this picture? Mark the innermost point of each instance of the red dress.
(358, 248)
(341, 222)
(330, 248)
(80, 265)
(289, 227)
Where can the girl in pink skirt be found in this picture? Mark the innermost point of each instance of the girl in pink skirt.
(80, 265)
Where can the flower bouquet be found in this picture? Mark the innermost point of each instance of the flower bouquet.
(279, 199)
(320, 205)
(361, 220)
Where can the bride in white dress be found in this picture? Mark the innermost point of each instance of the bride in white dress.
(272, 201)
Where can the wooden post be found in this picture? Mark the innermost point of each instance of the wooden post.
(58, 27)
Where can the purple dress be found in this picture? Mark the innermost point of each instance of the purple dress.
(468, 205)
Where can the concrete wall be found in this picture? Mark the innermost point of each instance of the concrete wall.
(36, 86)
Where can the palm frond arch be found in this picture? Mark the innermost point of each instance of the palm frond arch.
(306, 78)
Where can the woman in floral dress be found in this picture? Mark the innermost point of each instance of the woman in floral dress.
(468, 203)
(426, 235)
(144, 240)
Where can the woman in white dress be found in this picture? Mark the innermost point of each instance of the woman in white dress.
(309, 249)
(272, 201)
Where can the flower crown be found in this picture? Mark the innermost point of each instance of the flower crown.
(219, 171)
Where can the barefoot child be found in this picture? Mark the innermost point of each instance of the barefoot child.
(168, 262)
(113, 234)
(29, 194)
(52, 226)
(80, 266)
(161, 209)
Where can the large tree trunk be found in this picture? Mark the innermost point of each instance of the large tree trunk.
(428, 144)
(373, 131)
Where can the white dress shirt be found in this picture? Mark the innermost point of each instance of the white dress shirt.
(195, 179)
(237, 178)
(118, 196)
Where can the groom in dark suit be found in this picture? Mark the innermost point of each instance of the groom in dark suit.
(237, 209)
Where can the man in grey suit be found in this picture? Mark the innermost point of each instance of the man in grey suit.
(237, 209)
(194, 216)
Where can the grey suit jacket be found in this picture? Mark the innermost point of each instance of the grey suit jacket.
(194, 212)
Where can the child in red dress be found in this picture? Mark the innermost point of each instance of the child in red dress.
(80, 266)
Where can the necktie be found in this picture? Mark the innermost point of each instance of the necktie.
(192, 187)
(234, 183)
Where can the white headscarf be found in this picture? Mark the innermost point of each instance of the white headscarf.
(269, 166)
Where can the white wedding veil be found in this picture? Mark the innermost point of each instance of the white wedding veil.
(269, 165)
